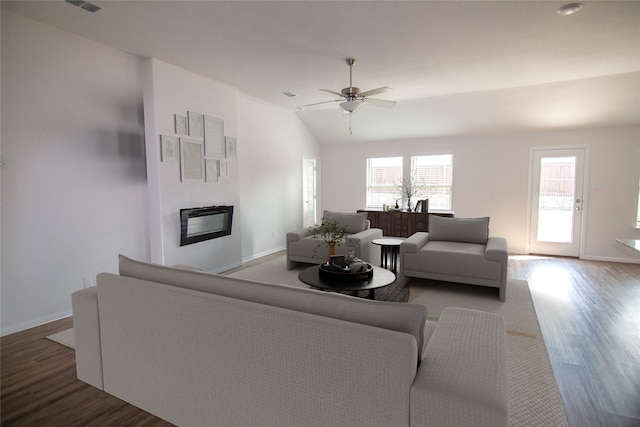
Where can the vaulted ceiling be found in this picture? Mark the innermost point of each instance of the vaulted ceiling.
(455, 67)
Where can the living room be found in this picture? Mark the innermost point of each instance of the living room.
(76, 165)
(81, 181)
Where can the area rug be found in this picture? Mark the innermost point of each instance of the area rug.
(275, 271)
(534, 397)
(65, 337)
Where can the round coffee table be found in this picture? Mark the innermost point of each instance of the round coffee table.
(381, 278)
(390, 249)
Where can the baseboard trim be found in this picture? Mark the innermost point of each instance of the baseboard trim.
(35, 322)
(263, 254)
(611, 259)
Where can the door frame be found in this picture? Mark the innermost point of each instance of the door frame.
(316, 186)
(585, 192)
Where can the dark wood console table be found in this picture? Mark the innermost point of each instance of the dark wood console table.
(401, 223)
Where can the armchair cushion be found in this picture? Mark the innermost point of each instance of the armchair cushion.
(463, 259)
(468, 230)
(354, 222)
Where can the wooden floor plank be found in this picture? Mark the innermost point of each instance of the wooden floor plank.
(589, 314)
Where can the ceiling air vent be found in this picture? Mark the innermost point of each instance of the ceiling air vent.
(89, 7)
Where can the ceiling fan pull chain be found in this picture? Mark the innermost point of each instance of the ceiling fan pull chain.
(350, 130)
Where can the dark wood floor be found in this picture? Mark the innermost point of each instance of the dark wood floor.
(589, 313)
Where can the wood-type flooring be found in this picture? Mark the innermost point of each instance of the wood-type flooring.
(589, 313)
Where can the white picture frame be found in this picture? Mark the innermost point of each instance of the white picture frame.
(211, 170)
(214, 143)
(224, 169)
(230, 147)
(191, 160)
(180, 124)
(168, 149)
(196, 125)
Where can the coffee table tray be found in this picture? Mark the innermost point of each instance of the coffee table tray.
(326, 272)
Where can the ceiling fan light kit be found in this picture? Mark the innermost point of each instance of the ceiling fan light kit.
(352, 98)
(350, 106)
(570, 9)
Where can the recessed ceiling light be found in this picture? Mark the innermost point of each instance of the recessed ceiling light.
(289, 94)
(570, 9)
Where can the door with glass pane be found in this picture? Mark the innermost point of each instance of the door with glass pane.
(557, 201)
(309, 188)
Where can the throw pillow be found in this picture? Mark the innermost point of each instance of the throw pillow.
(469, 230)
(354, 222)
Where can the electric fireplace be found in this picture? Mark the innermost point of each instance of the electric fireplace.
(200, 224)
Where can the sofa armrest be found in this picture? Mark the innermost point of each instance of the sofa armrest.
(497, 249)
(463, 380)
(86, 331)
(366, 250)
(293, 236)
(414, 242)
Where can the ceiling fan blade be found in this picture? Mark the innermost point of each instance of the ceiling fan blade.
(378, 91)
(318, 104)
(332, 92)
(380, 102)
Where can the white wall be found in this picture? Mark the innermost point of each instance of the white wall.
(271, 144)
(491, 178)
(75, 192)
(171, 90)
(74, 184)
(264, 182)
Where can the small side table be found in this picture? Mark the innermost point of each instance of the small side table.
(390, 249)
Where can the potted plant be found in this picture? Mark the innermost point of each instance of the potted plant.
(408, 188)
(331, 232)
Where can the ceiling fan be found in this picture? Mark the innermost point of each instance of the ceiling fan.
(351, 98)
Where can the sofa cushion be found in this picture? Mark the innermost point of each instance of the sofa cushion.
(453, 258)
(401, 317)
(354, 222)
(470, 230)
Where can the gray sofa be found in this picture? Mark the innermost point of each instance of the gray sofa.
(456, 250)
(302, 247)
(199, 349)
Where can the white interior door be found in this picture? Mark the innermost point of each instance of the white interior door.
(557, 201)
(309, 189)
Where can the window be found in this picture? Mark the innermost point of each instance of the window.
(435, 175)
(383, 175)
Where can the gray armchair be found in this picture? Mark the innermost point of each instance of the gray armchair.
(456, 250)
(302, 247)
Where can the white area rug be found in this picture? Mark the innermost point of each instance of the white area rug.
(535, 400)
(65, 337)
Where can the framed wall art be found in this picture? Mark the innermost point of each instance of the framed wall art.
(168, 149)
(191, 160)
(224, 168)
(213, 137)
(211, 170)
(181, 124)
(196, 126)
(230, 147)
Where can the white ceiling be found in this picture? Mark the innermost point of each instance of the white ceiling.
(456, 67)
